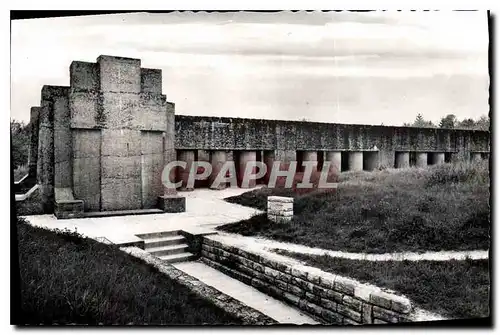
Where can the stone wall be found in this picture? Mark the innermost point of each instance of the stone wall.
(328, 298)
(237, 309)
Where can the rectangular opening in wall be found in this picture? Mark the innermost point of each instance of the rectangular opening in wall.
(300, 159)
(413, 158)
(430, 158)
(321, 160)
(485, 155)
(236, 159)
(447, 157)
(259, 157)
(344, 161)
(370, 160)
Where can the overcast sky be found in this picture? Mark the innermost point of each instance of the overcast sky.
(365, 68)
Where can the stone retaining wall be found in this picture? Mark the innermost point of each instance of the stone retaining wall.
(236, 308)
(326, 297)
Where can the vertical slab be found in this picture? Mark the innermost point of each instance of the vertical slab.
(355, 160)
(311, 156)
(187, 156)
(33, 154)
(402, 160)
(476, 156)
(421, 159)
(244, 158)
(121, 183)
(45, 164)
(217, 159)
(335, 159)
(151, 167)
(63, 173)
(87, 167)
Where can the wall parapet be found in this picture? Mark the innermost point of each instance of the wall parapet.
(327, 297)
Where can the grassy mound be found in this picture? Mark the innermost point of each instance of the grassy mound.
(444, 207)
(68, 279)
(457, 289)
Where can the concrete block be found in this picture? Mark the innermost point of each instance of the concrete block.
(355, 160)
(150, 114)
(332, 317)
(381, 299)
(334, 296)
(328, 304)
(120, 193)
(402, 160)
(85, 184)
(119, 74)
(121, 142)
(349, 313)
(116, 167)
(172, 204)
(68, 209)
(84, 109)
(118, 110)
(345, 285)
(84, 76)
(352, 303)
(151, 80)
(421, 159)
(366, 313)
(385, 314)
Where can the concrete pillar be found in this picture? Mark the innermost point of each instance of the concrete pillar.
(187, 156)
(355, 161)
(335, 159)
(402, 160)
(33, 153)
(437, 158)
(476, 156)
(244, 158)
(269, 157)
(45, 165)
(217, 159)
(421, 159)
(311, 156)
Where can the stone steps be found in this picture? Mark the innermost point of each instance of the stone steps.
(168, 246)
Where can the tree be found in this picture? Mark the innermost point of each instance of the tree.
(20, 142)
(466, 124)
(483, 123)
(449, 121)
(422, 123)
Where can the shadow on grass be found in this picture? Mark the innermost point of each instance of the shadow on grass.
(69, 279)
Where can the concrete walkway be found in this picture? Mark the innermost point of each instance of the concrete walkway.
(267, 244)
(205, 209)
(248, 295)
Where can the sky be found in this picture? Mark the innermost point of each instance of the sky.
(344, 67)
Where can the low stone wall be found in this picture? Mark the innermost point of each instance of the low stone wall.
(279, 209)
(326, 297)
(248, 315)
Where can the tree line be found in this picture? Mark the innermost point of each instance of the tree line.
(450, 121)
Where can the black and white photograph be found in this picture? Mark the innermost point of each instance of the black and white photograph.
(308, 168)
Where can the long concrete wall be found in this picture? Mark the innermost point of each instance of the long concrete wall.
(288, 137)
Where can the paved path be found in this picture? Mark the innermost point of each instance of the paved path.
(267, 244)
(248, 295)
(205, 209)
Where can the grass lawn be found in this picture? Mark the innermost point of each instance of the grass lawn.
(68, 279)
(444, 207)
(458, 289)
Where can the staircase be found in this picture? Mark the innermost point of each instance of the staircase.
(170, 247)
